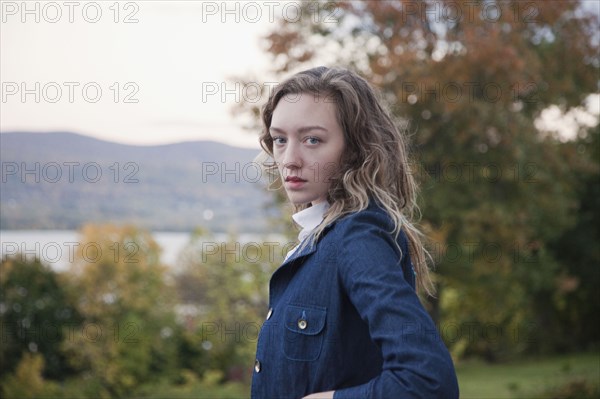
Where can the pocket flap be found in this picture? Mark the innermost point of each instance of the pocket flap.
(304, 319)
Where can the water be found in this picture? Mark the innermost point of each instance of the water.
(57, 248)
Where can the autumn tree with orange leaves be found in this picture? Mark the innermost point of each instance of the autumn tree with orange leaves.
(468, 82)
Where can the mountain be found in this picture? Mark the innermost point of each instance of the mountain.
(62, 180)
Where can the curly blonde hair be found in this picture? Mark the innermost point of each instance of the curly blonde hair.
(375, 162)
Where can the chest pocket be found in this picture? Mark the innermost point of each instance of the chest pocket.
(304, 332)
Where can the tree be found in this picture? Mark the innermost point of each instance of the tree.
(35, 316)
(576, 299)
(223, 285)
(28, 381)
(468, 80)
(128, 329)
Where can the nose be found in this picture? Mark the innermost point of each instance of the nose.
(292, 157)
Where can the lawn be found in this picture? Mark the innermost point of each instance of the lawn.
(527, 378)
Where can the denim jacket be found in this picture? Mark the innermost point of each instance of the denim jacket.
(344, 316)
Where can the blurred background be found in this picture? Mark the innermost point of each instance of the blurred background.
(138, 236)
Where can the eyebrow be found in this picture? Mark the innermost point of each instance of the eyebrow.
(303, 129)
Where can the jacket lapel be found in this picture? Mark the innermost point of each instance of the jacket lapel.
(299, 253)
(285, 272)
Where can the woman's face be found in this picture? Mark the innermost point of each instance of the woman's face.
(307, 145)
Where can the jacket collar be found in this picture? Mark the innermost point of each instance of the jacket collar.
(310, 247)
(310, 218)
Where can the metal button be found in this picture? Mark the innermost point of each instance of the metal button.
(257, 366)
(269, 313)
(302, 324)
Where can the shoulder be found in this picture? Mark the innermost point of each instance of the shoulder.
(371, 221)
(374, 215)
(366, 233)
(363, 247)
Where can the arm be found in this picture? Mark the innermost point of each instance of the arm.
(416, 361)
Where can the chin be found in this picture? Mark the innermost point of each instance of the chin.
(300, 199)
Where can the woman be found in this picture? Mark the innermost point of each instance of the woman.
(345, 320)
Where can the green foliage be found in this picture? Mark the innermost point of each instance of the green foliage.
(27, 381)
(35, 315)
(209, 387)
(223, 285)
(128, 331)
(576, 298)
(122, 338)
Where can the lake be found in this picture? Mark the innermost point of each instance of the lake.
(57, 247)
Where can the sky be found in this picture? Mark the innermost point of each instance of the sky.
(143, 72)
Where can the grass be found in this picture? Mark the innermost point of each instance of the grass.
(522, 379)
(529, 378)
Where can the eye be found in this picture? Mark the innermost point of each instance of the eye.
(313, 140)
(278, 140)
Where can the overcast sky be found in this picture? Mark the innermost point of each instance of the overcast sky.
(87, 76)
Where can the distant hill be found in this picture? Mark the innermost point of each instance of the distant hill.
(62, 180)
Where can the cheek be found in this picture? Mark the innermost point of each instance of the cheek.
(335, 161)
(277, 157)
(329, 169)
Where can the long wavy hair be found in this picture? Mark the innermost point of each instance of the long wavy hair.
(374, 163)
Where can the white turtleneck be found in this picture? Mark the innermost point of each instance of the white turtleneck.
(308, 219)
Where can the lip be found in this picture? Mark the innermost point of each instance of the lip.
(294, 179)
(293, 182)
